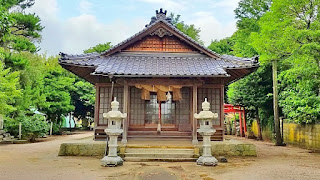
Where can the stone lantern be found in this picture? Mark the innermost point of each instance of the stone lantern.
(115, 118)
(205, 118)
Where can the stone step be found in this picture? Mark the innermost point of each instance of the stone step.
(168, 133)
(159, 137)
(159, 150)
(145, 159)
(160, 155)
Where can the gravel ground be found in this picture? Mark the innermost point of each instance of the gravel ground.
(40, 161)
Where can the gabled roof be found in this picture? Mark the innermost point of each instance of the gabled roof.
(161, 23)
(115, 62)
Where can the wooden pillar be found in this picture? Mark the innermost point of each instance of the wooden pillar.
(194, 110)
(235, 124)
(240, 120)
(222, 111)
(125, 110)
(244, 122)
(96, 109)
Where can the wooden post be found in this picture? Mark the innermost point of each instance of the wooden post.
(96, 109)
(244, 121)
(51, 126)
(125, 110)
(194, 110)
(222, 111)
(240, 120)
(275, 104)
(20, 130)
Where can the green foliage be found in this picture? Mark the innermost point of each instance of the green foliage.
(57, 87)
(19, 30)
(83, 98)
(189, 30)
(99, 48)
(253, 91)
(224, 46)
(56, 129)
(290, 33)
(299, 95)
(33, 127)
(9, 91)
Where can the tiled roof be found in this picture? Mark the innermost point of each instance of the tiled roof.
(114, 62)
(158, 64)
(166, 21)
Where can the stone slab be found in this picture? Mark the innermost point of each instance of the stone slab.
(97, 148)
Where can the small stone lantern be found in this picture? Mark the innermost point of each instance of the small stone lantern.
(205, 118)
(115, 118)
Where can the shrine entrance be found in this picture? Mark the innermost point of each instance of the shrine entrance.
(160, 114)
(156, 116)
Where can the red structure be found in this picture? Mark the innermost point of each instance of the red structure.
(229, 108)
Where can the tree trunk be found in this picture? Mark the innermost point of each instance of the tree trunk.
(70, 121)
(259, 125)
(279, 141)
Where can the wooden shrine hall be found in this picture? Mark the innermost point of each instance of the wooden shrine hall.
(160, 77)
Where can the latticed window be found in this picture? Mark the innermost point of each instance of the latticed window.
(214, 97)
(105, 100)
(146, 112)
(137, 107)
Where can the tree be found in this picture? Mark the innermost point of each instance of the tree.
(253, 92)
(288, 29)
(24, 29)
(224, 46)
(189, 30)
(99, 48)
(58, 85)
(9, 91)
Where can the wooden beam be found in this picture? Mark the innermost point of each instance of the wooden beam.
(194, 110)
(165, 81)
(125, 110)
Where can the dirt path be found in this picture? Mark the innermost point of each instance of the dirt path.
(40, 161)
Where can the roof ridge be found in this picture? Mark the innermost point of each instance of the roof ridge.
(65, 56)
(234, 59)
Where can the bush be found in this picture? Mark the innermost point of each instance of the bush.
(33, 127)
(56, 129)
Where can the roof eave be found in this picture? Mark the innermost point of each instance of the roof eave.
(152, 76)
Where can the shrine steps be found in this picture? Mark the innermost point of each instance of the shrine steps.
(158, 153)
(159, 135)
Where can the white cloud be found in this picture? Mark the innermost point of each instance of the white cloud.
(85, 7)
(210, 27)
(170, 5)
(225, 4)
(75, 34)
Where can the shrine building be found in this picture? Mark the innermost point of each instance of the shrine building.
(160, 76)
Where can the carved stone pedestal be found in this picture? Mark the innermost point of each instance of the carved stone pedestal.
(207, 159)
(112, 159)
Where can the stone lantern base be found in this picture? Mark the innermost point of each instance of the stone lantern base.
(207, 161)
(111, 161)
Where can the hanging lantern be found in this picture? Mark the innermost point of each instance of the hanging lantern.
(169, 96)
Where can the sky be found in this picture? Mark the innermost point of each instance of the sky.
(72, 26)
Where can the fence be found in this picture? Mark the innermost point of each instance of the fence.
(302, 135)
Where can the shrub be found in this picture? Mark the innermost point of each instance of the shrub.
(33, 127)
